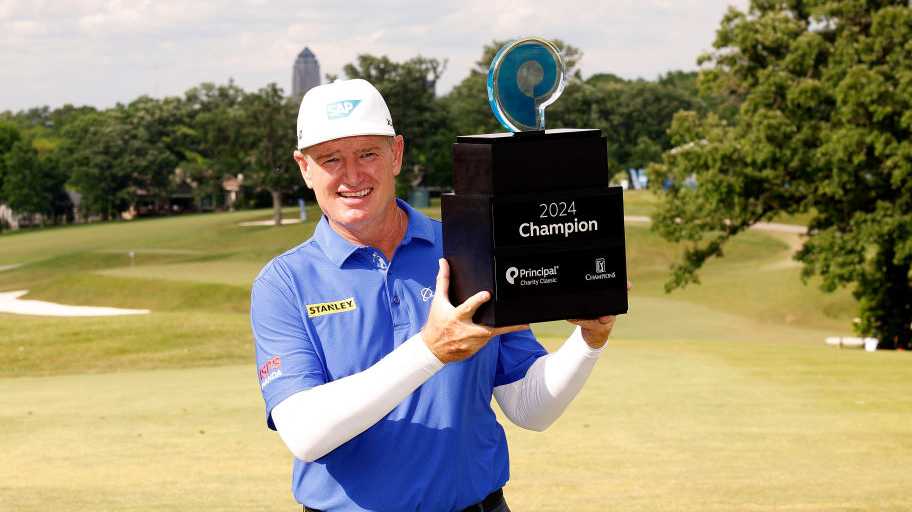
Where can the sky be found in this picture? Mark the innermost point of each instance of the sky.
(101, 52)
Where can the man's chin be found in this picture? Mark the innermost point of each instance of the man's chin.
(352, 220)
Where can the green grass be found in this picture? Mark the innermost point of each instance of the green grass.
(717, 397)
(661, 425)
(639, 202)
(194, 274)
(644, 202)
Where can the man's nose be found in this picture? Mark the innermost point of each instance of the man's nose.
(352, 173)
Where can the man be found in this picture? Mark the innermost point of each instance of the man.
(379, 386)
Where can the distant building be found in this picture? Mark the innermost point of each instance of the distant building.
(306, 73)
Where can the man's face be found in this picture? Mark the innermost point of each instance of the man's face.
(353, 178)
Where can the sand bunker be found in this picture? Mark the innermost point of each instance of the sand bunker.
(9, 267)
(269, 222)
(10, 303)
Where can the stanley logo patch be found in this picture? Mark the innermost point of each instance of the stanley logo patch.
(328, 308)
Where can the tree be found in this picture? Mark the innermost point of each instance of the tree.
(409, 90)
(214, 130)
(96, 163)
(725, 104)
(634, 116)
(9, 136)
(213, 143)
(825, 127)
(269, 140)
(31, 185)
(153, 147)
(125, 155)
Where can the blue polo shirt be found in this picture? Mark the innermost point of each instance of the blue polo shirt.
(327, 309)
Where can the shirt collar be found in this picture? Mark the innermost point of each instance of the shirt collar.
(419, 226)
(338, 249)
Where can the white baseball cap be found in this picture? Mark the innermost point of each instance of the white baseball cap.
(343, 108)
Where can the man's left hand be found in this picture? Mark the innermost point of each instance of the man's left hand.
(596, 330)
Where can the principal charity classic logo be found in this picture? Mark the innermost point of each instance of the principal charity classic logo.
(600, 271)
(512, 272)
(329, 308)
(426, 294)
(341, 109)
(532, 276)
(270, 371)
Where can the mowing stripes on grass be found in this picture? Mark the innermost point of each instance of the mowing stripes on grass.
(710, 426)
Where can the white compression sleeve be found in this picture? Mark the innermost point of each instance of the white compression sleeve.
(316, 421)
(538, 399)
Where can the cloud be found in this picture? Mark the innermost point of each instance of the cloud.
(103, 51)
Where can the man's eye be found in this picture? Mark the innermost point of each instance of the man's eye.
(369, 154)
(330, 161)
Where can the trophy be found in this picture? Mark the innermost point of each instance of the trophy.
(532, 217)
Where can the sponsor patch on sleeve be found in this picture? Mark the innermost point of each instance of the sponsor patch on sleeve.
(270, 371)
(329, 308)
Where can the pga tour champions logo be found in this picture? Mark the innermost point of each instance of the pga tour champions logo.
(601, 271)
(532, 276)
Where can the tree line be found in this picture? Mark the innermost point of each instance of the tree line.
(136, 157)
(801, 108)
(824, 129)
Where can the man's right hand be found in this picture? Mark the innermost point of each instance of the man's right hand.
(449, 332)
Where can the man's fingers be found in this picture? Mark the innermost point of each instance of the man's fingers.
(509, 328)
(468, 308)
(443, 279)
(629, 286)
(584, 322)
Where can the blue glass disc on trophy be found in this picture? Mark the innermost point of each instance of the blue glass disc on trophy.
(525, 76)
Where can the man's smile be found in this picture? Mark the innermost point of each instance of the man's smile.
(355, 194)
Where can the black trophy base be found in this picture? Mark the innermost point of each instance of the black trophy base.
(545, 256)
(528, 162)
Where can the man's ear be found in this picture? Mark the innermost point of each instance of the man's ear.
(398, 144)
(303, 165)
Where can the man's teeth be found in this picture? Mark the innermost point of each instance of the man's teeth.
(361, 193)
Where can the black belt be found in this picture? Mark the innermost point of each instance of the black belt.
(491, 501)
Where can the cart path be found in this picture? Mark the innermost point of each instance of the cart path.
(760, 226)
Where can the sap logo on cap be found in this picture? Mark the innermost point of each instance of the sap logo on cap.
(512, 272)
(341, 109)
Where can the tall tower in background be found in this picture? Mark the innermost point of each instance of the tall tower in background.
(306, 73)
